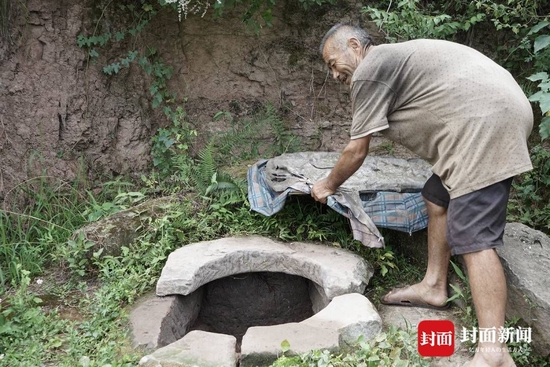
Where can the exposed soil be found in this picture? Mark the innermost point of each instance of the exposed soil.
(62, 116)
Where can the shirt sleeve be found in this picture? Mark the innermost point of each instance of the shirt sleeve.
(371, 103)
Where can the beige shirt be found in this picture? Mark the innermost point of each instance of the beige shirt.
(449, 104)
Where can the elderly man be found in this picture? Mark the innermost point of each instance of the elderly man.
(465, 115)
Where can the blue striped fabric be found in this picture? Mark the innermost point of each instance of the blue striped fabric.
(404, 212)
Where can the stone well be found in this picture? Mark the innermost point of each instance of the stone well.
(307, 294)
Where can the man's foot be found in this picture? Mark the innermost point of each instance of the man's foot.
(491, 359)
(417, 295)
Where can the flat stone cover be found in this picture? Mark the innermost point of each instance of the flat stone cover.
(335, 270)
(377, 173)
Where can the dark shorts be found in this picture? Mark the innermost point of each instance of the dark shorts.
(475, 221)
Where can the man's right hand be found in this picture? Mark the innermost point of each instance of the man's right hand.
(321, 191)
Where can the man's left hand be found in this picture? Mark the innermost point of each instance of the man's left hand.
(321, 190)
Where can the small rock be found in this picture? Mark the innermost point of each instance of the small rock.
(351, 315)
(197, 349)
(262, 344)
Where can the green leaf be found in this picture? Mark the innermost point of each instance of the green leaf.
(157, 100)
(218, 115)
(116, 67)
(132, 55)
(458, 271)
(542, 42)
(454, 296)
(538, 76)
(538, 27)
(285, 346)
(98, 253)
(543, 98)
(81, 40)
(93, 53)
(119, 36)
(544, 128)
(56, 343)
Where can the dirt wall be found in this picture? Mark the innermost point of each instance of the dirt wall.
(61, 115)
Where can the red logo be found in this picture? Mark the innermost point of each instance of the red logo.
(436, 338)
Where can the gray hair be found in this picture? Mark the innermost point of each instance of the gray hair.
(344, 32)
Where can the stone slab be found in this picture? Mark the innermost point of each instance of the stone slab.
(197, 349)
(158, 321)
(526, 259)
(336, 270)
(377, 173)
(261, 345)
(350, 315)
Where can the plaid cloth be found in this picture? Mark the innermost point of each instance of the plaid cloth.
(404, 212)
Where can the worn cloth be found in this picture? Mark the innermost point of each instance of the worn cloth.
(449, 104)
(362, 198)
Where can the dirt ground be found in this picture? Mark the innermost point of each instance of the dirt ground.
(62, 116)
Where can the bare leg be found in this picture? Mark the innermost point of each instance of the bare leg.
(488, 285)
(433, 288)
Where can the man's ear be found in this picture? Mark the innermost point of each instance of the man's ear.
(354, 44)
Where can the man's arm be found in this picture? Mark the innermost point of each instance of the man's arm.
(351, 159)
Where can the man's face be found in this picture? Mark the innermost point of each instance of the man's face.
(341, 62)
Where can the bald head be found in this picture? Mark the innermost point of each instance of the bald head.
(341, 33)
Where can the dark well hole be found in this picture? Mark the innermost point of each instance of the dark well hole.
(233, 304)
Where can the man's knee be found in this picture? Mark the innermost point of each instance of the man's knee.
(434, 210)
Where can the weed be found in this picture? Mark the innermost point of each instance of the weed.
(388, 147)
(530, 200)
(395, 348)
(50, 212)
(463, 294)
(265, 134)
(25, 330)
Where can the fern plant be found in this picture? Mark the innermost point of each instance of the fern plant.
(210, 181)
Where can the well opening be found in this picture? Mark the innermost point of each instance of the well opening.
(232, 304)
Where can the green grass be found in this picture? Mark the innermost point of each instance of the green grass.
(38, 244)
